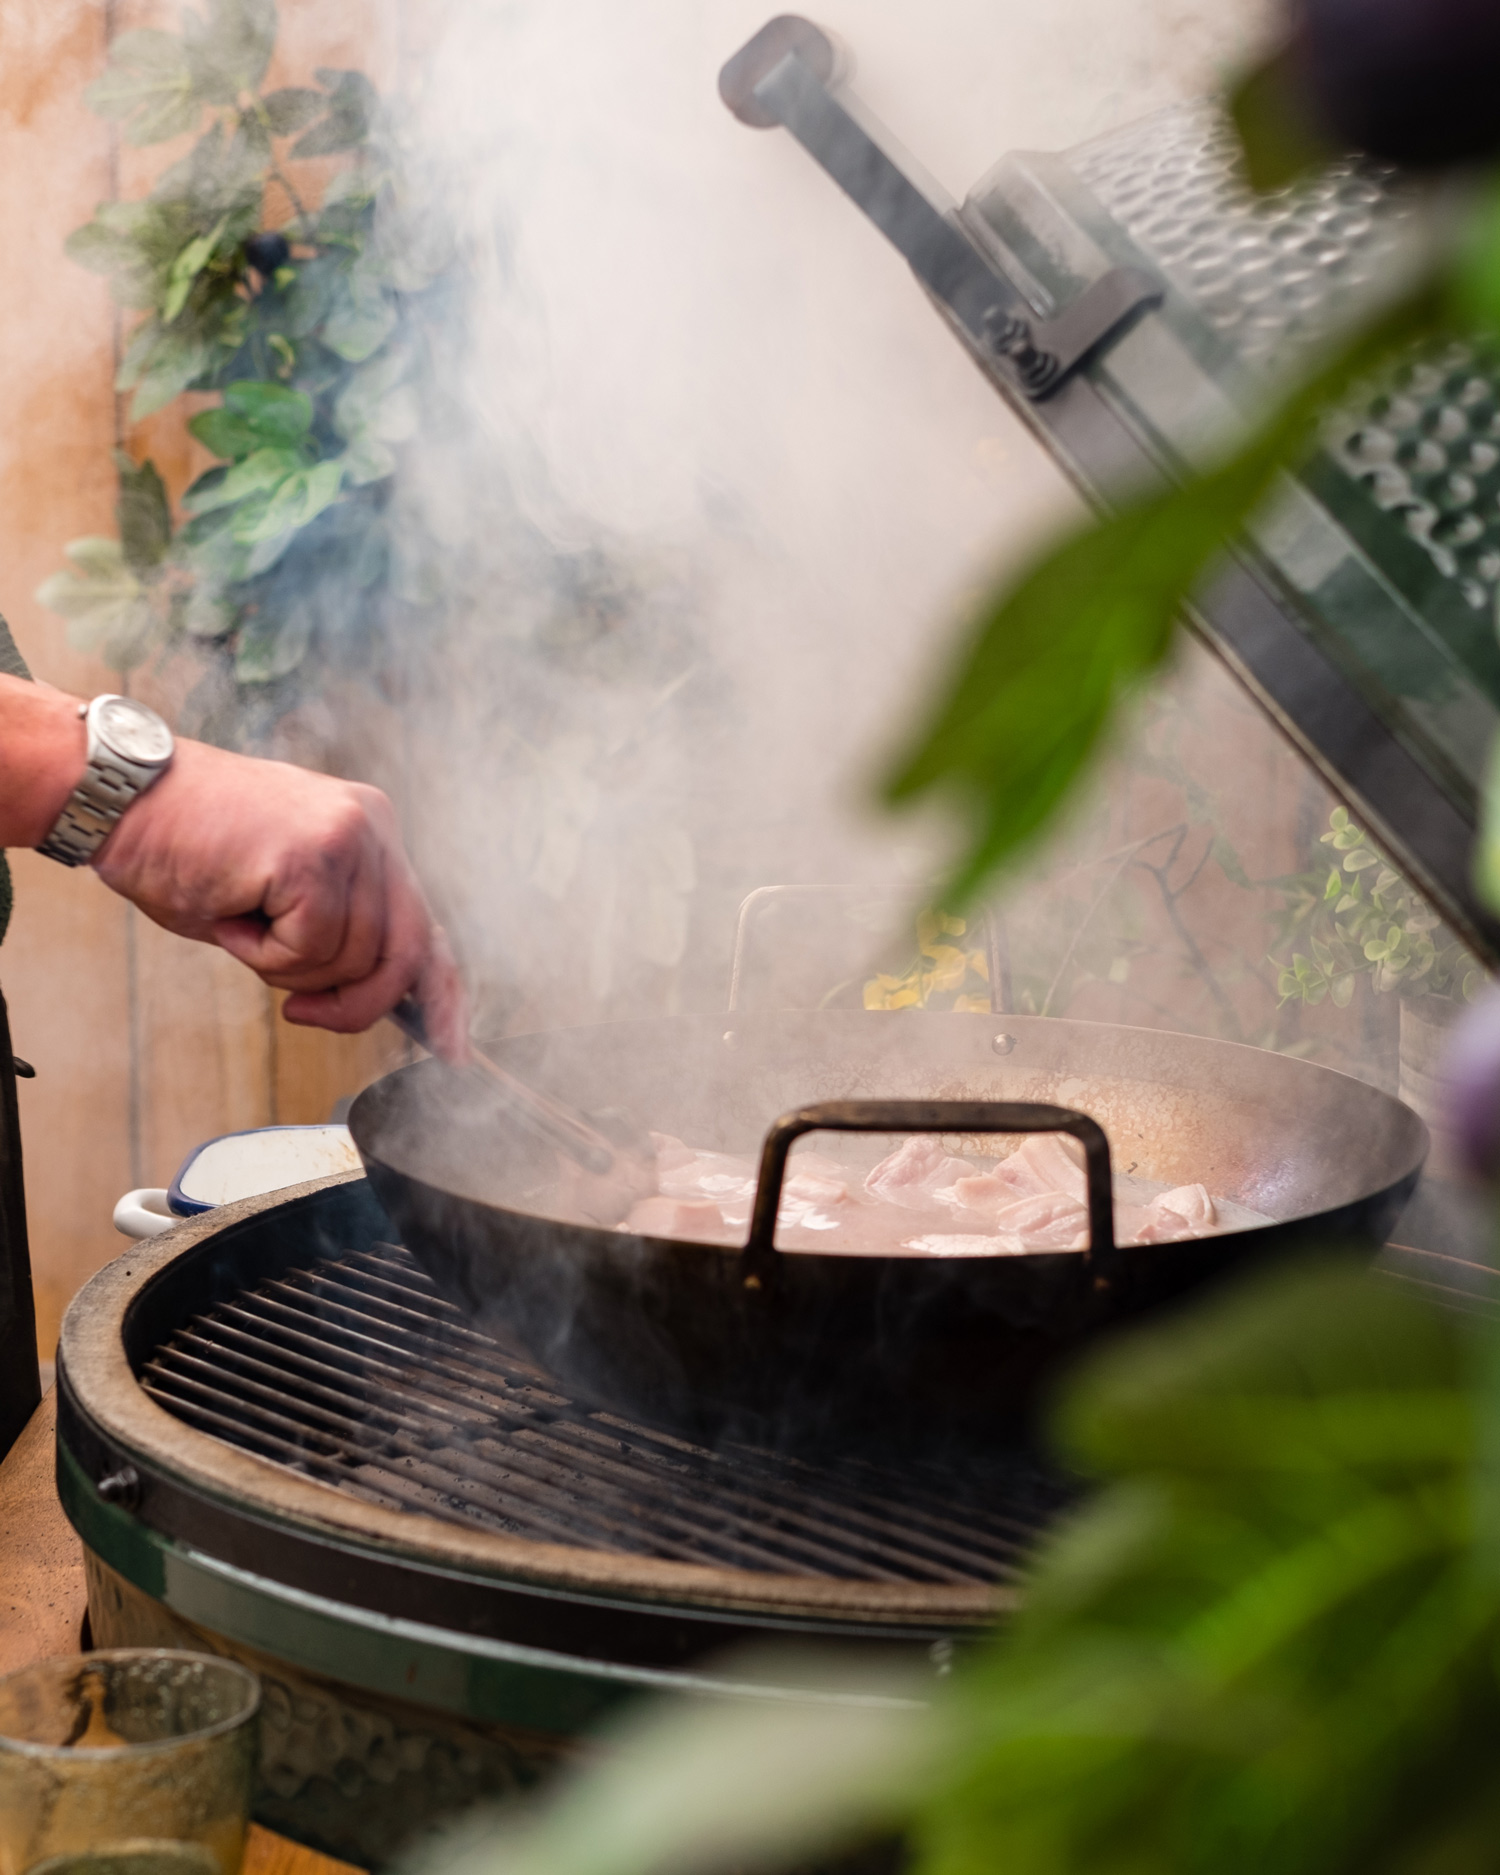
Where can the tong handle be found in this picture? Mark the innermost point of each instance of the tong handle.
(548, 1119)
(928, 1116)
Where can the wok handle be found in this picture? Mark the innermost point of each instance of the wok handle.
(927, 1116)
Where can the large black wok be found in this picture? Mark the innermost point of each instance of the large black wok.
(799, 1346)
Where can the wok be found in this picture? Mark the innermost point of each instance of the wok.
(803, 1348)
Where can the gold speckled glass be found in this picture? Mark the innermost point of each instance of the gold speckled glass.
(137, 1758)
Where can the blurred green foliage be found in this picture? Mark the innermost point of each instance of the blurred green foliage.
(282, 562)
(1268, 1643)
(1360, 919)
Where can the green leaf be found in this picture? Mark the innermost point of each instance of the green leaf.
(271, 646)
(295, 500)
(292, 109)
(186, 268)
(133, 244)
(230, 47)
(148, 87)
(1228, 862)
(1280, 136)
(144, 519)
(108, 610)
(1475, 272)
(361, 319)
(205, 613)
(1487, 848)
(254, 414)
(1341, 991)
(224, 434)
(351, 114)
(1055, 653)
(713, 1786)
(272, 410)
(368, 460)
(221, 177)
(258, 473)
(160, 365)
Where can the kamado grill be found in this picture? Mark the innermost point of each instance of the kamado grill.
(457, 1499)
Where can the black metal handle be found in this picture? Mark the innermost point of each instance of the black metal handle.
(927, 1116)
(409, 1016)
(552, 1121)
(787, 74)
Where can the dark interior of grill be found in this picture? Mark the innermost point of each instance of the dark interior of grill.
(351, 1369)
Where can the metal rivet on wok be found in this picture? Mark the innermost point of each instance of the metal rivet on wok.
(752, 1282)
(731, 1038)
(1003, 1044)
(122, 1487)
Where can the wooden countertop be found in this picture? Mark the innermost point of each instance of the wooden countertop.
(43, 1602)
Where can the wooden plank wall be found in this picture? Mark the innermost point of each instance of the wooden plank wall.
(144, 1045)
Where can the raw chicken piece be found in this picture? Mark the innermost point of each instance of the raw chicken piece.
(1049, 1162)
(817, 1188)
(963, 1244)
(819, 1164)
(1132, 1221)
(914, 1172)
(676, 1217)
(986, 1192)
(717, 1176)
(1192, 1204)
(1048, 1220)
(1031, 1202)
(1188, 1211)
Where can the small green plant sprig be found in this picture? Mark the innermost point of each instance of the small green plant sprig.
(315, 334)
(1361, 918)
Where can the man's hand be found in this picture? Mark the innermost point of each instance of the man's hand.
(301, 877)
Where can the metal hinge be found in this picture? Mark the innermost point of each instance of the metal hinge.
(784, 76)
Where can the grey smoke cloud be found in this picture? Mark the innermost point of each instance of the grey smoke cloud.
(696, 373)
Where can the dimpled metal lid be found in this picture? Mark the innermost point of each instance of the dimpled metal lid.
(1135, 304)
(1387, 543)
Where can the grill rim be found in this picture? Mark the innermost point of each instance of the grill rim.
(104, 1391)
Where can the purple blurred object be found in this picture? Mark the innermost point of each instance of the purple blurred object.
(1414, 81)
(1473, 1068)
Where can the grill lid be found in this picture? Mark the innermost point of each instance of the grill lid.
(1129, 298)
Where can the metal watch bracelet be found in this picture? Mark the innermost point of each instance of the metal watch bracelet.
(110, 783)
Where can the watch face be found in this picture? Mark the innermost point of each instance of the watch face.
(132, 731)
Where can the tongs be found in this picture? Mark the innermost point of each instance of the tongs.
(609, 1146)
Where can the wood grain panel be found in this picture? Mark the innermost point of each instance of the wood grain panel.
(144, 1045)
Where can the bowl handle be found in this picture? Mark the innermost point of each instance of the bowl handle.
(928, 1116)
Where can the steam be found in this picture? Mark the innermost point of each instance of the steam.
(722, 480)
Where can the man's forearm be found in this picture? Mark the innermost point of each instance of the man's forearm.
(43, 749)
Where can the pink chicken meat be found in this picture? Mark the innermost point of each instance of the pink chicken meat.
(921, 1199)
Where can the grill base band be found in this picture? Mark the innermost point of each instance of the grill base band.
(343, 1770)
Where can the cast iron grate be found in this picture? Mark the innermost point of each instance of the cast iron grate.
(356, 1372)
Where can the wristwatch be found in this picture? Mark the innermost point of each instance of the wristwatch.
(129, 747)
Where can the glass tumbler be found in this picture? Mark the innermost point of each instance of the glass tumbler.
(129, 1753)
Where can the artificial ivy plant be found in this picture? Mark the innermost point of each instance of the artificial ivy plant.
(314, 334)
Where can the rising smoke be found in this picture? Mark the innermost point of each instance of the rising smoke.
(721, 480)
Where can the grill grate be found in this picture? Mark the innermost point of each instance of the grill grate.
(354, 1371)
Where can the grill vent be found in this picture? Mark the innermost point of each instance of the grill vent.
(357, 1373)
